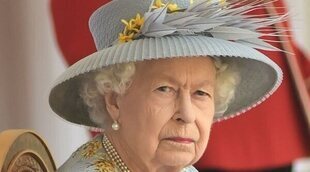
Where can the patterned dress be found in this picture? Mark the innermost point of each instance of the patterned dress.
(92, 157)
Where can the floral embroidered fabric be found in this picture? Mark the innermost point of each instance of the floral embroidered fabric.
(92, 157)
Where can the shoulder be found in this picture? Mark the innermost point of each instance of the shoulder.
(190, 169)
(89, 157)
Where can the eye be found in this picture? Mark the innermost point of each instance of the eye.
(165, 89)
(202, 93)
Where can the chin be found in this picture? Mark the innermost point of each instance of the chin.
(175, 159)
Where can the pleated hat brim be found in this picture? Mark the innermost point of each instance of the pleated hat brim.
(259, 75)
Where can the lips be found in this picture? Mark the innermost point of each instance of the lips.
(181, 140)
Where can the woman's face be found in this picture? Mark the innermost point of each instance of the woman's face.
(166, 114)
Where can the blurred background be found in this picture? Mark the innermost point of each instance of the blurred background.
(29, 63)
(30, 60)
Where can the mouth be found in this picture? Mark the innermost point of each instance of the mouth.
(182, 140)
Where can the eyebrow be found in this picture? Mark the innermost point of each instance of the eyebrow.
(172, 80)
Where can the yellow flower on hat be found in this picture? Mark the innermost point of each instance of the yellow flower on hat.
(132, 27)
(222, 2)
(129, 26)
(158, 4)
(138, 21)
(172, 7)
(125, 38)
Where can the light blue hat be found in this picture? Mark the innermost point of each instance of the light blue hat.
(173, 29)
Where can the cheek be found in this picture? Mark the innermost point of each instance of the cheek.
(204, 122)
(204, 128)
(146, 110)
(161, 106)
(148, 116)
(158, 113)
(146, 121)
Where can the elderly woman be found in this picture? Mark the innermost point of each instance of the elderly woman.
(156, 91)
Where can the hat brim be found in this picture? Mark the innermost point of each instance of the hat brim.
(259, 76)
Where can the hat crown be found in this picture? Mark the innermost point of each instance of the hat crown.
(105, 23)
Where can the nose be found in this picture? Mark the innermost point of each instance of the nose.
(184, 109)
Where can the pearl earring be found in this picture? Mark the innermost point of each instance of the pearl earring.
(115, 126)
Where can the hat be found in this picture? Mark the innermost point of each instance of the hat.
(135, 30)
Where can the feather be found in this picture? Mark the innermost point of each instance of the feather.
(199, 5)
(258, 44)
(179, 18)
(202, 24)
(153, 18)
(159, 30)
(230, 22)
(233, 33)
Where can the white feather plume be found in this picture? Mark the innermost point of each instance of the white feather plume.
(230, 21)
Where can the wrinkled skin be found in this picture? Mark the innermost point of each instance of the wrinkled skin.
(165, 115)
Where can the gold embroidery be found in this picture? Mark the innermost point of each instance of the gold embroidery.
(91, 148)
(104, 165)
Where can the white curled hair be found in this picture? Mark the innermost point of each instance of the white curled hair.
(117, 78)
(227, 79)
